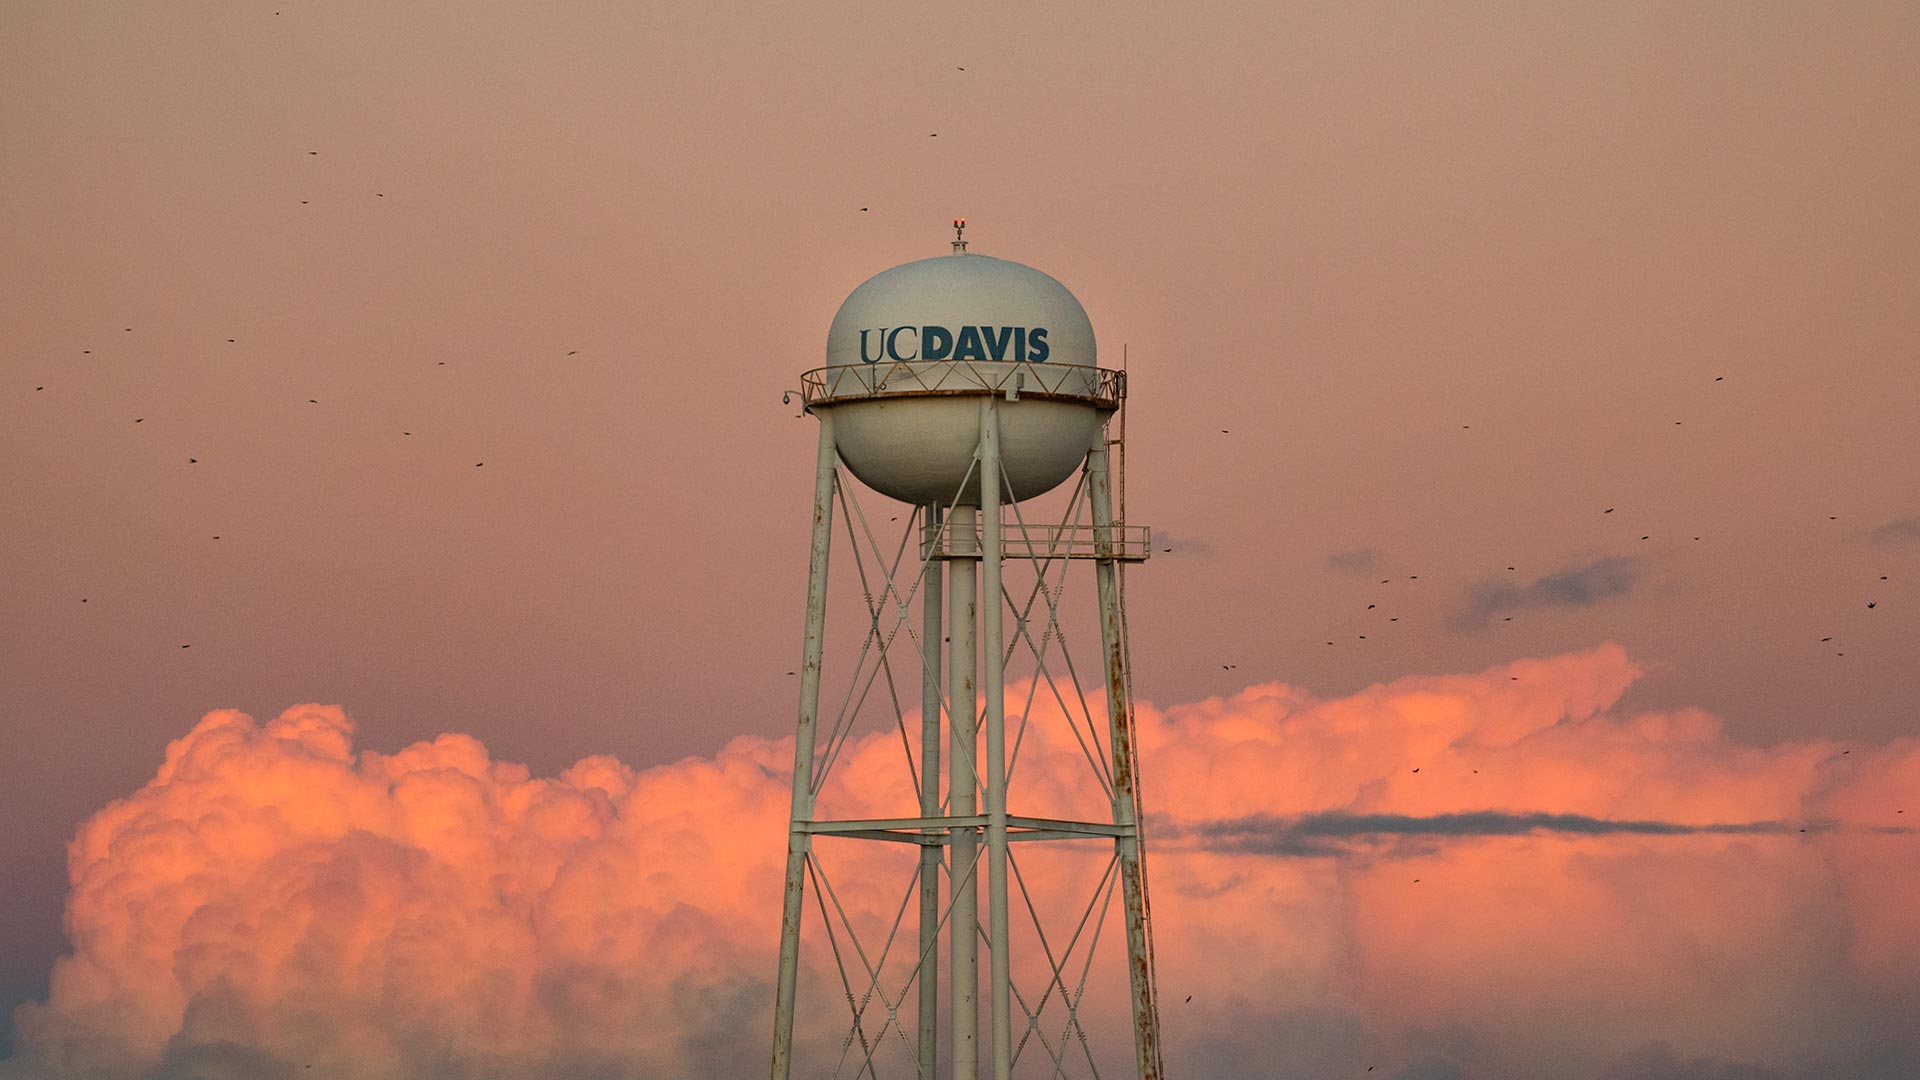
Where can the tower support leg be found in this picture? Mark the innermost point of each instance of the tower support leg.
(799, 842)
(931, 630)
(1126, 805)
(963, 921)
(999, 974)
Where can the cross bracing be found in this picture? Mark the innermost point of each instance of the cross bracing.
(1056, 1004)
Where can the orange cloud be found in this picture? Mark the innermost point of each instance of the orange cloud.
(1488, 875)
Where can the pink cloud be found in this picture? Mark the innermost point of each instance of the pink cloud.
(1596, 894)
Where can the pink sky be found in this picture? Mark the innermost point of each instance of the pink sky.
(1456, 282)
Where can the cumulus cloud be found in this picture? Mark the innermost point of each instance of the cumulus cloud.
(1490, 875)
(1574, 587)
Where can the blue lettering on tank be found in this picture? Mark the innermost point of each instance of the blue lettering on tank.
(997, 341)
(969, 347)
(1018, 344)
(1037, 350)
(893, 343)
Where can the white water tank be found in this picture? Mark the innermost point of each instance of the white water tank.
(914, 349)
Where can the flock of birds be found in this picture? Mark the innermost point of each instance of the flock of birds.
(1870, 604)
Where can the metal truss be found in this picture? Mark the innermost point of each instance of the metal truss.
(889, 967)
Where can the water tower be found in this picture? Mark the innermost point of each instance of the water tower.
(966, 387)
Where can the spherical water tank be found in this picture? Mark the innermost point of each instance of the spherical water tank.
(914, 350)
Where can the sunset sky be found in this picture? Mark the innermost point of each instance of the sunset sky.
(1528, 388)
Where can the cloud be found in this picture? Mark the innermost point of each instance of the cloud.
(1896, 533)
(1558, 890)
(1574, 587)
(1353, 561)
(1335, 833)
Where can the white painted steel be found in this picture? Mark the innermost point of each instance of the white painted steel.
(963, 923)
(1009, 430)
(961, 290)
(931, 625)
(799, 841)
(918, 451)
(1126, 803)
(992, 644)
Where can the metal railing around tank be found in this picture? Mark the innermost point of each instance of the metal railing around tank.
(1102, 387)
(1126, 543)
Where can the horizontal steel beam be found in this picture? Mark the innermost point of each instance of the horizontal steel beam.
(969, 821)
(933, 831)
(1078, 828)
